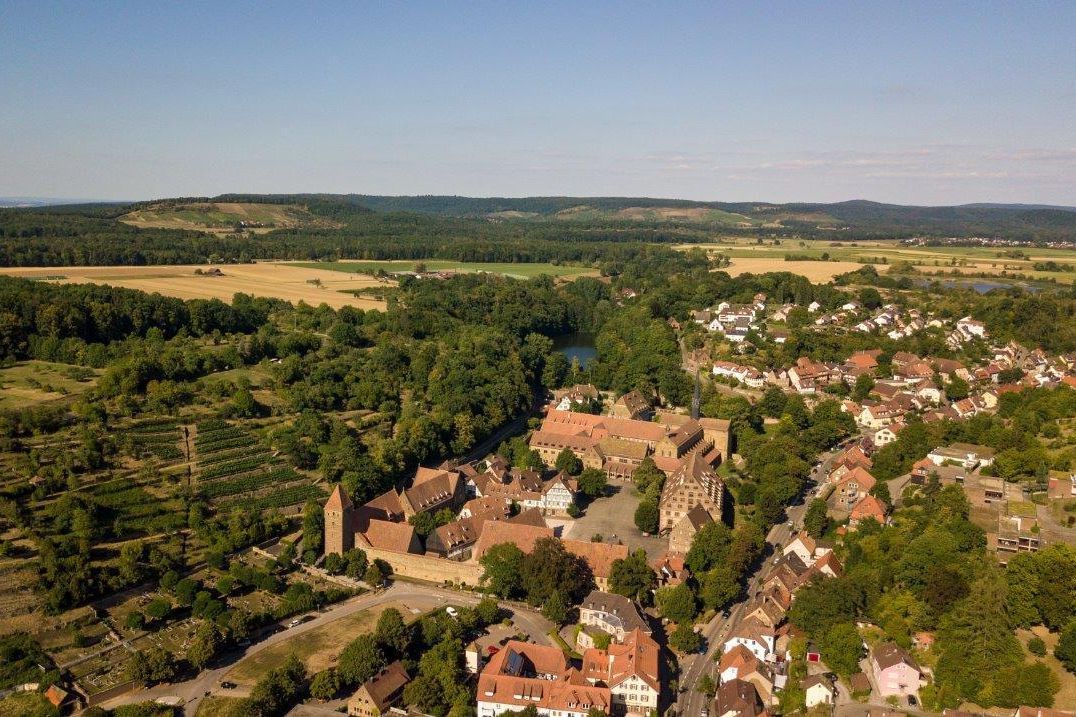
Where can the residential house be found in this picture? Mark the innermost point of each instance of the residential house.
(965, 454)
(887, 434)
(375, 696)
(867, 507)
(737, 698)
(579, 395)
(740, 664)
(629, 670)
(818, 690)
(855, 484)
(895, 671)
(527, 675)
(671, 569)
(753, 635)
(612, 613)
(806, 548)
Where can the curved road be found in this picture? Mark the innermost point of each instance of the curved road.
(191, 692)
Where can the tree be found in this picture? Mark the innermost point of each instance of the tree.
(719, 587)
(1065, 651)
(374, 575)
(361, 660)
(313, 527)
(840, 648)
(863, 386)
(633, 577)
(592, 482)
(556, 608)
(709, 547)
(880, 490)
(392, 633)
(423, 690)
(278, 689)
(356, 563)
(135, 620)
(816, 520)
(957, 389)
(325, 685)
(685, 640)
(568, 462)
(676, 603)
(205, 645)
(706, 686)
(549, 568)
(870, 298)
(152, 666)
(647, 516)
(503, 565)
(158, 609)
(1036, 646)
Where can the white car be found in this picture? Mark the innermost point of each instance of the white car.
(452, 612)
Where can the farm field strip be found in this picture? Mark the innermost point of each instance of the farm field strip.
(289, 282)
(519, 271)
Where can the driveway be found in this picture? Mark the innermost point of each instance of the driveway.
(614, 515)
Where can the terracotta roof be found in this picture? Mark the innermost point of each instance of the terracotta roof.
(522, 536)
(868, 507)
(715, 424)
(740, 658)
(858, 475)
(530, 517)
(338, 499)
(525, 674)
(387, 535)
(56, 695)
(636, 657)
(599, 556)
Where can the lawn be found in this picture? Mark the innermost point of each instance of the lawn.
(518, 271)
(221, 707)
(29, 383)
(318, 648)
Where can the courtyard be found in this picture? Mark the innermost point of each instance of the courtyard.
(613, 517)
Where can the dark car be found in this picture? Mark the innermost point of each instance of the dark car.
(227, 685)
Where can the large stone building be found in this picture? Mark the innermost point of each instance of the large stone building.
(693, 483)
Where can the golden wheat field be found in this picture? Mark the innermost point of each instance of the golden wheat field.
(816, 271)
(267, 279)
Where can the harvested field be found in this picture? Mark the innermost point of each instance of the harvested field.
(816, 271)
(268, 279)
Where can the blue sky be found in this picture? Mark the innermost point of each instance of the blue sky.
(930, 103)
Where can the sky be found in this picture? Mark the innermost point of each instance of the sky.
(912, 103)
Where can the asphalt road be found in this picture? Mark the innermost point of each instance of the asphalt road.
(690, 702)
(191, 692)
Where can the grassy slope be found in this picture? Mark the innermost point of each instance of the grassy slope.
(515, 270)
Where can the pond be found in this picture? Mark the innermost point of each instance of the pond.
(576, 346)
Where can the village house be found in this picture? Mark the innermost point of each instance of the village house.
(818, 690)
(806, 548)
(579, 395)
(629, 670)
(867, 507)
(752, 634)
(747, 375)
(670, 568)
(965, 454)
(527, 675)
(614, 614)
(739, 663)
(375, 696)
(737, 698)
(895, 672)
(808, 376)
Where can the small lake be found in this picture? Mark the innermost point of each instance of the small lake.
(576, 346)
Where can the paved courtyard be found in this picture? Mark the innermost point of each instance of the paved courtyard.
(614, 515)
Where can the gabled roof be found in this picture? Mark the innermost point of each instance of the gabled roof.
(599, 556)
(868, 507)
(387, 535)
(522, 536)
(618, 607)
(386, 684)
(891, 654)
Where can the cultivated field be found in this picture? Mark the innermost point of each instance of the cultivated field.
(219, 217)
(926, 260)
(281, 281)
(519, 271)
(816, 271)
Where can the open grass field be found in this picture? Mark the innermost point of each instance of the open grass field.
(518, 271)
(29, 383)
(927, 260)
(318, 648)
(1066, 698)
(281, 281)
(219, 217)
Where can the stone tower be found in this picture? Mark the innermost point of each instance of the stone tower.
(339, 534)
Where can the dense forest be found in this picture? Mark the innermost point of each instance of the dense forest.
(467, 229)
